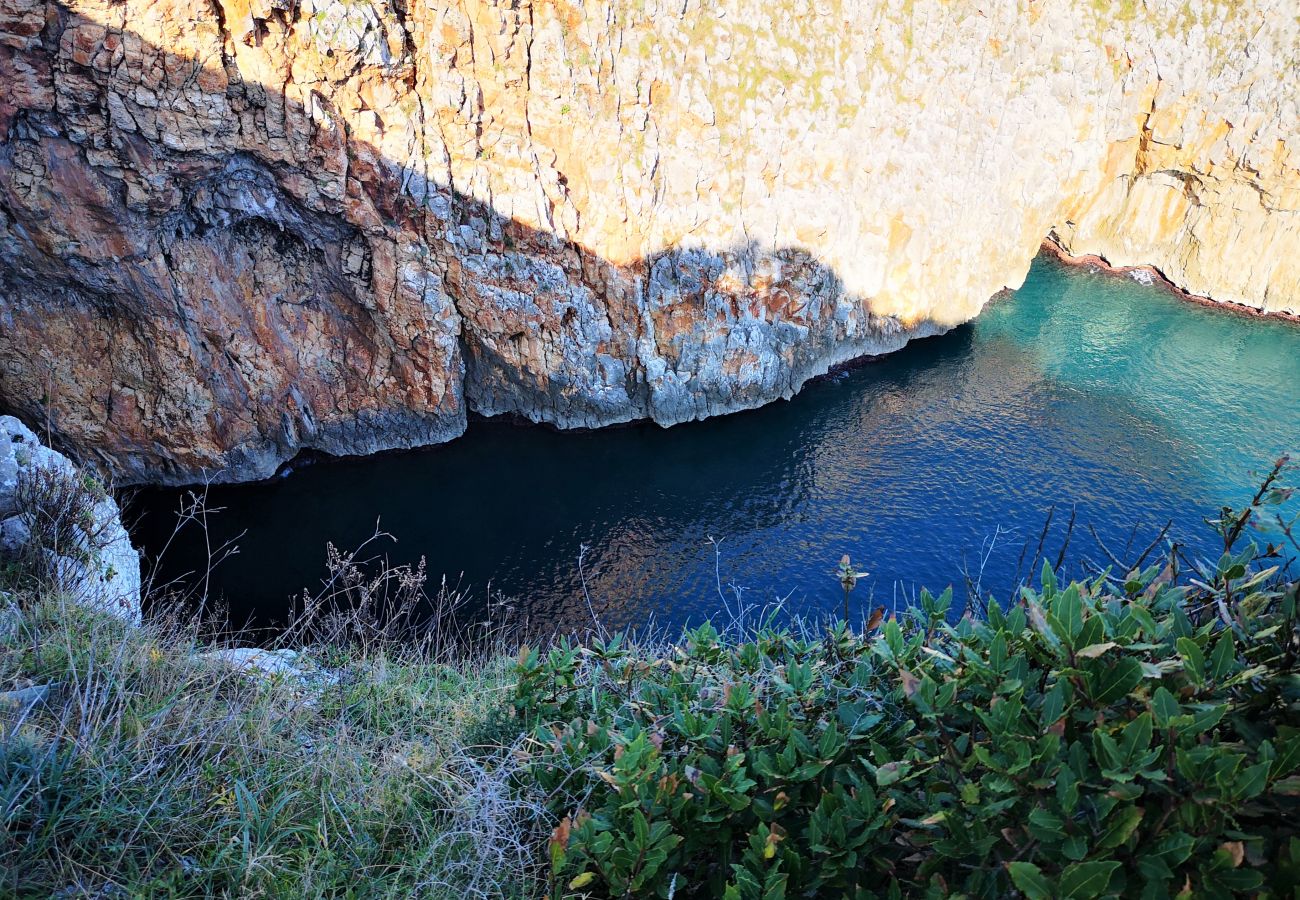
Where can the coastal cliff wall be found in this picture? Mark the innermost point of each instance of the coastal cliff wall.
(234, 229)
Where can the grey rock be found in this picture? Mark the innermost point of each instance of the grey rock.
(23, 699)
(17, 442)
(106, 575)
(16, 705)
(283, 663)
(14, 535)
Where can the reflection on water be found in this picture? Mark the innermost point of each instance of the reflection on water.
(1081, 389)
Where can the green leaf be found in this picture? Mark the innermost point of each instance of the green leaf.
(1251, 782)
(994, 614)
(1113, 682)
(1087, 879)
(890, 773)
(1193, 658)
(893, 635)
(1242, 880)
(641, 827)
(1046, 822)
(1048, 579)
(1224, 657)
(1031, 881)
(1120, 827)
(1165, 706)
(1288, 787)
(998, 653)
(581, 881)
(1040, 624)
(1074, 847)
(1053, 704)
(1288, 750)
(1067, 788)
(774, 885)
(1175, 848)
(1137, 736)
(1068, 610)
(1206, 718)
(1143, 617)
(1094, 629)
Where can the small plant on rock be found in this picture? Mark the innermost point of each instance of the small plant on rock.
(57, 506)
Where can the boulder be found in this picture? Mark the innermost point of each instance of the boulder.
(102, 569)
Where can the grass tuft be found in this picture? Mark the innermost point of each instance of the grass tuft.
(150, 767)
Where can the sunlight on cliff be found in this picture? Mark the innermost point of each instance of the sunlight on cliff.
(376, 217)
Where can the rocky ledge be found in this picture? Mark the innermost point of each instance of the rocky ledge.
(234, 229)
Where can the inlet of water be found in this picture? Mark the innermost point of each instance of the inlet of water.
(1082, 390)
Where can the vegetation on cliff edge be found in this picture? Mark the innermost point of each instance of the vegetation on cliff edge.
(1136, 733)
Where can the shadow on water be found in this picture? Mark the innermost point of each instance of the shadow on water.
(1081, 389)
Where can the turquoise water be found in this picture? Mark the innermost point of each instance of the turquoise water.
(938, 463)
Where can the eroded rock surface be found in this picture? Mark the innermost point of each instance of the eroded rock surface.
(232, 229)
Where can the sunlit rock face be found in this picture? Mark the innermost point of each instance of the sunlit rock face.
(234, 229)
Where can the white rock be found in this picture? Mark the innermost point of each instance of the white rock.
(270, 663)
(108, 577)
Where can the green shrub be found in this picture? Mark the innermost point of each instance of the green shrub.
(1132, 736)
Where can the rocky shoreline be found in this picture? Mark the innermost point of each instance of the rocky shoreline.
(1150, 275)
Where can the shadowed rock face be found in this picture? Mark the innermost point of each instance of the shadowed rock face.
(230, 230)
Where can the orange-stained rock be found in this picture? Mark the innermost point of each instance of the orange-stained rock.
(234, 229)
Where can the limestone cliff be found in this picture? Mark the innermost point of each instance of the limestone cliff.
(232, 229)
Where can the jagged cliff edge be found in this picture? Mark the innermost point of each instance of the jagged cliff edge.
(233, 229)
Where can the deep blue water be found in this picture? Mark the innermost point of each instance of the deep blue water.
(1082, 390)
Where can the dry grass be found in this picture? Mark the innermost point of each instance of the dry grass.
(148, 767)
(58, 508)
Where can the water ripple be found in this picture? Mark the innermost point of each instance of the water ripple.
(1082, 389)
